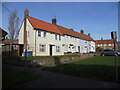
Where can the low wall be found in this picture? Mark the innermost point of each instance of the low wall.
(55, 60)
(45, 62)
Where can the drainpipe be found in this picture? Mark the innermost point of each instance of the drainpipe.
(35, 42)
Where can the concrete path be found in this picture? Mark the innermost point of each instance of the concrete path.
(55, 80)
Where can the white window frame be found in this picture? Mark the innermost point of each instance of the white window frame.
(44, 34)
(57, 48)
(59, 37)
(110, 44)
(105, 44)
(55, 36)
(39, 33)
(42, 47)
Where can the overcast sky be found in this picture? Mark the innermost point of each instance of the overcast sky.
(96, 18)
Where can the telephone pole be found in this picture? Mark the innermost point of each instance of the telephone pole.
(26, 14)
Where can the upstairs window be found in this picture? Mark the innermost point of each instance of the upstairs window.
(56, 36)
(105, 45)
(110, 44)
(59, 37)
(44, 34)
(39, 33)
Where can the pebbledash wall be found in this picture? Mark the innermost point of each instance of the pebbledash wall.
(59, 47)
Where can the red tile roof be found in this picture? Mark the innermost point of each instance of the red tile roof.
(110, 41)
(39, 24)
(73, 33)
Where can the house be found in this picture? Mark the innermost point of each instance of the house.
(8, 41)
(105, 44)
(3, 33)
(45, 39)
(11, 48)
(2, 38)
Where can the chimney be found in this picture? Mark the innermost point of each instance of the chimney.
(82, 31)
(88, 34)
(101, 38)
(54, 21)
(26, 13)
(71, 29)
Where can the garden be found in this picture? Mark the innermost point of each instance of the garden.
(98, 68)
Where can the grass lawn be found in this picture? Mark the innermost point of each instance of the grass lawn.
(35, 57)
(47, 57)
(99, 68)
(11, 78)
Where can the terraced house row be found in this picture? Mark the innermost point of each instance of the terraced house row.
(45, 39)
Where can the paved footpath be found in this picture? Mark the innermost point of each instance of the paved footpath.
(55, 80)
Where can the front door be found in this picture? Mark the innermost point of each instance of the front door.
(50, 50)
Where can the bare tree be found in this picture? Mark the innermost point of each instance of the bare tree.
(13, 25)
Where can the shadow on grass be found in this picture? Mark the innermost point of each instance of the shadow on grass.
(19, 61)
(12, 78)
(97, 72)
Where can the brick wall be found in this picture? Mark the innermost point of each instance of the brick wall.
(45, 62)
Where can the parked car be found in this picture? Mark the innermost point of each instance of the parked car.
(118, 52)
(110, 52)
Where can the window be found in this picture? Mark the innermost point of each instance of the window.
(44, 33)
(109, 44)
(85, 46)
(15, 47)
(56, 36)
(28, 46)
(42, 48)
(39, 33)
(59, 37)
(92, 47)
(105, 45)
(57, 48)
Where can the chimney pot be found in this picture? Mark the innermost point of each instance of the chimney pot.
(54, 21)
(82, 31)
(26, 13)
(71, 29)
(88, 34)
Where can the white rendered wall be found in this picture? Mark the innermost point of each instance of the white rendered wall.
(50, 40)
